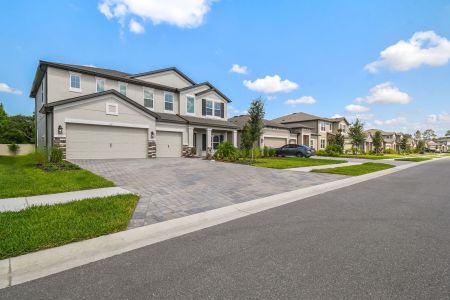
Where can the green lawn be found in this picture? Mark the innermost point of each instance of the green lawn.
(415, 159)
(374, 157)
(20, 177)
(356, 170)
(44, 227)
(293, 162)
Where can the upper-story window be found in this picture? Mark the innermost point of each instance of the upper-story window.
(323, 126)
(190, 104)
(75, 82)
(217, 109)
(214, 109)
(148, 98)
(100, 85)
(123, 88)
(168, 102)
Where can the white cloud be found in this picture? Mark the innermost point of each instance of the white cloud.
(423, 48)
(136, 27)
(385, 93)
(301, 100)
(356, 108)
(337, 116)
(180, 13)
(271, 84)
(392, 122)
(271, 97)
(235, 68)
(7, 89)
(232, 111)
(443, 117)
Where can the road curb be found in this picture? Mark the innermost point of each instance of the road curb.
(32, 266)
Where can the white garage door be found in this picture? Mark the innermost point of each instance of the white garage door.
(102, 142)
(168, 144)
(274, 142)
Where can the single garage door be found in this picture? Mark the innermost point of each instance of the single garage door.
(168, 144)
(102, 142)
(274, 142)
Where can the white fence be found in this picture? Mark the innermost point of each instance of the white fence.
(23, 150)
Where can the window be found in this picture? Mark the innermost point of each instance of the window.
(209, 108)
(112, 109)
(100, 85)
(123, 88)
(322, 126)
(168, 102)
(217, 140)
(75, 82)
(217, 109)
(148, 98)
(322, 144)
(190, 104)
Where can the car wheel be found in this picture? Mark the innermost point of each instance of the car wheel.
(299, 154)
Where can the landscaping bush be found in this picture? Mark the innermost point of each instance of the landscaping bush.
(14, 148)
(56, 155)
(373, 152)
(268, 152)
(226, 151)
(39, 157)
(389, 151)
(193, 151)
(321, 153)
(333, 150)
(61, 166)
(272, 152)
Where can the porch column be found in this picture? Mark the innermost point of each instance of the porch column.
(208, 139)
(235, 138)
(190, 137)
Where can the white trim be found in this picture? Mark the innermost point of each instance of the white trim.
(192, 96)
(144, 88)
(102, 123)
(173, 102)
(97, 79)
(109, 105)
(126, 87)
(76, 90)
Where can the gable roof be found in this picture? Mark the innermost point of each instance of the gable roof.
(372, 131)
(241, 120)
(303, 117)
(208, 122)
(49, 106)
(163, 71)
(213, 89)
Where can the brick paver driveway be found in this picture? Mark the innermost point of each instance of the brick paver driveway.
(176, 187)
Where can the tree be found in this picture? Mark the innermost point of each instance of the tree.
(357, 134)
(337, 140)
(404, 143)
(429, 134)
(246, 139)
(418, 135)
(447, 133)
(16, 129)
(255, 122)
(420, 145)
(378, 142)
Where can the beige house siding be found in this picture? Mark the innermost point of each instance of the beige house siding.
(41, 118)
(169, 78)
(94, 110)
(198, 100)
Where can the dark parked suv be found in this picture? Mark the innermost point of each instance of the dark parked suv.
(295, 150)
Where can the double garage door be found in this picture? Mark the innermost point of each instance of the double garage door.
(105, 142)
(108, 142)
(274, 142)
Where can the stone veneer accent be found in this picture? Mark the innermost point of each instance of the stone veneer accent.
(60, 142)
(151, 149)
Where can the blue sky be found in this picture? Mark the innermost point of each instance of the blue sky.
(320, 57)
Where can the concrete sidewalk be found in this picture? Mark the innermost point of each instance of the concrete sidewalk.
(20, 203)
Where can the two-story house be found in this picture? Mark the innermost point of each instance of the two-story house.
(391, 140)
(319, 129)
(94, 113)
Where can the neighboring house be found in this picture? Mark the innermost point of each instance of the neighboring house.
(319, 129)
(391, 140)
(94, 113)
(439, 145)
(275, 135)
(444, 143)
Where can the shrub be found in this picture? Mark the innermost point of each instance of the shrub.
(226, 151)
(193, 151)
(321, 153)
(334, 148)
(271, 152)
(268, 152)
(56, 155)
(40, 156)
(389, 151)
(14, 148)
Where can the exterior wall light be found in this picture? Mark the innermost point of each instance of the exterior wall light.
(60, 129)
(152, 135)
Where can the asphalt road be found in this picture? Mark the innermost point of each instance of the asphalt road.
(384, 238)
